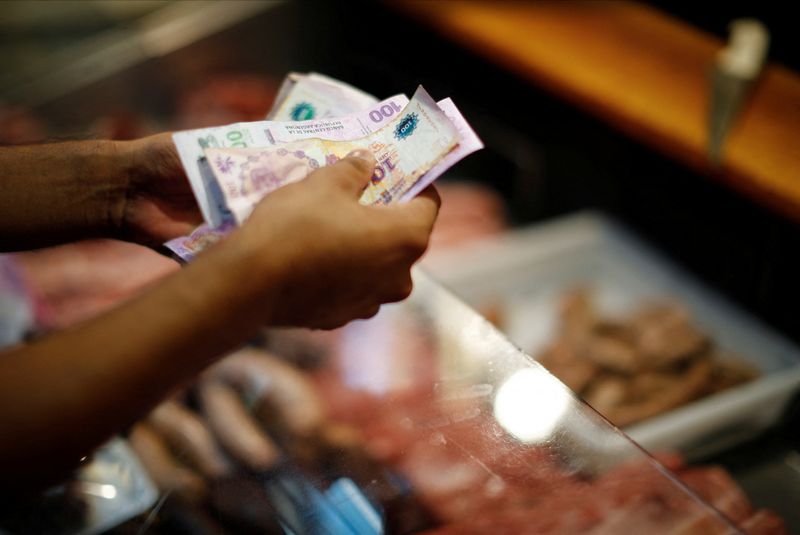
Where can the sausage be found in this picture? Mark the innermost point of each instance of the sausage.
(188, 435)
(578, 315)
(168, 475)
(261, 375)
(235, 428)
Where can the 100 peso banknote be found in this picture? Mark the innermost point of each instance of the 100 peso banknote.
(187, 247)
(405, 149)
(192, 144)
(303, 97)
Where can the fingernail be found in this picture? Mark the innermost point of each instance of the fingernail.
(363, 154)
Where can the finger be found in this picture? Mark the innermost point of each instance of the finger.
(422, 209)
(432, 194)
(157, 154)
(401, 289)
(369, 312)
(353, 172)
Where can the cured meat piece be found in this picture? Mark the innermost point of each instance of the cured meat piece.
(606, 393)
(665, 335)
(578, 315)
(611, 347)
(167, 473)
(262, 376)
(562, 361)
(189, 437)
(636, 367)
(235, 428)
(727, 373)
(689, 388)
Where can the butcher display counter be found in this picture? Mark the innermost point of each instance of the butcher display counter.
(424, 418)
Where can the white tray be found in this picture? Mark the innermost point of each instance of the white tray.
(528, 269)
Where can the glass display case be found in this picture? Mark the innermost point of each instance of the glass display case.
(423, 418)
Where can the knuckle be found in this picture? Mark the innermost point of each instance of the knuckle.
(406, 289)
(437, 199)
(432, 195)
(350, 174)
(401, 290)
(416, 243)
(370, 312)
(355, 165)
(329, 324)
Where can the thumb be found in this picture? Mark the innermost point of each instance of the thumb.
(352, 173)
(422, 210)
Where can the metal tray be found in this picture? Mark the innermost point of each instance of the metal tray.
(527, 270)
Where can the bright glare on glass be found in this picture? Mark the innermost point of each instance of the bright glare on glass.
(101, 490)
(529, 405)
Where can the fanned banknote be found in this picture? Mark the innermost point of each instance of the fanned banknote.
(192, 143)
(187, 247)
(405, 149)
(303, 97)
(468, 143)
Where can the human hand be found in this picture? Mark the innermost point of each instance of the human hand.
(328, 258)
(159, 203)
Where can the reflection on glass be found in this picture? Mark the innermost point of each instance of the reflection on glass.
(530, 405)
(101, 490)
(425, 420)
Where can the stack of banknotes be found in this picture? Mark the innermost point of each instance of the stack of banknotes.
(315, 121)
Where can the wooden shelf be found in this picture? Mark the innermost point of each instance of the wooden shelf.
(644, 72)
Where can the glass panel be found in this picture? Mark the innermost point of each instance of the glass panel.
(423, 418)
(434, 420)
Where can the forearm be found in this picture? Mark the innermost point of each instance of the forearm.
(63, 395)
(61, 192)
(307, 256)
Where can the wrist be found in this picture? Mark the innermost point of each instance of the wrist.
(62, 192)
(121, 173)
(93, 183)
